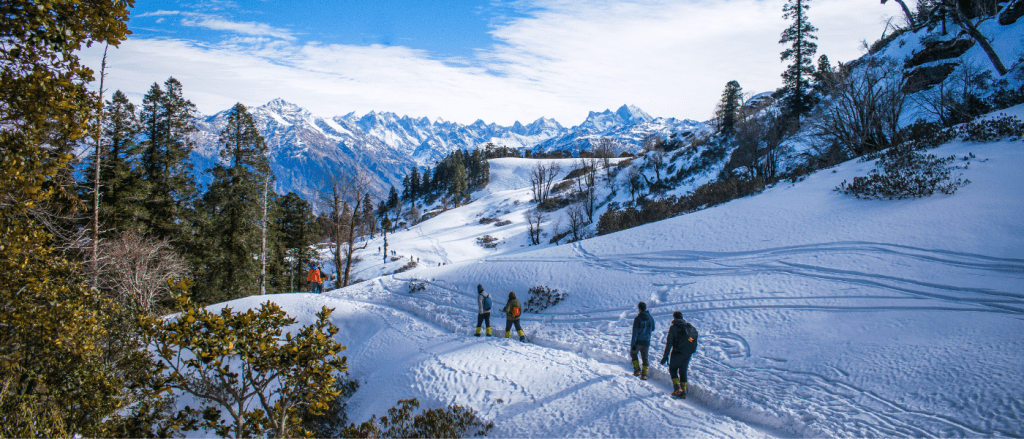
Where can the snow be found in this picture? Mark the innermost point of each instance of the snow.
(820, 314)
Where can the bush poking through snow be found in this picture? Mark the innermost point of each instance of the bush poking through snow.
(502, 223)
(991, 130)
(487, 241)
(231, 360)
(488, 220)
(406, 267)
(453, 421)
(542, 297)
(903, 173)
(417, 286)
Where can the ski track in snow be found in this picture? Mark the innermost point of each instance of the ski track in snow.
(819, 315)
(809, 402)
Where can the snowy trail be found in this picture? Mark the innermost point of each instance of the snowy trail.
(820, 315)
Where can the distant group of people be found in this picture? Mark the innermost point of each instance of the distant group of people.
(680, 345)
(513, 310)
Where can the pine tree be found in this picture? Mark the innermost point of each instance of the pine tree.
(296, 233)
(122, 188)
(796, 78)
(458, 186)
(234, 204)
(414, 185)
(427, 186)
(728, 108)
(168, 123)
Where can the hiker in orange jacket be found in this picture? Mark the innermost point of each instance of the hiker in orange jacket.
(314, 278)
(513, 309)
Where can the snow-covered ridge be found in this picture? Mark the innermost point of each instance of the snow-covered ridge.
(386, 146)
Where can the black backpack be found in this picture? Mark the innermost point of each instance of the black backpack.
(687, 343)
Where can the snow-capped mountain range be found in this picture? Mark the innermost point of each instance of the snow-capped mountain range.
(386, 146)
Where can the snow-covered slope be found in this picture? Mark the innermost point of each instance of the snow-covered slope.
(820, 314)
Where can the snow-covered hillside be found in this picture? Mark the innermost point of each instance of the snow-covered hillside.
(820, 314)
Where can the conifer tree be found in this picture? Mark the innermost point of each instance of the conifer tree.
(123, 190)
(796, 78)
(458, 185)
(728, 108)
(234, 204)
(168, 123)
(296, 229)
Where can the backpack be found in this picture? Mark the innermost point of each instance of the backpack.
(515, 311)
(487, 303)
(691, 337)
(312, 276)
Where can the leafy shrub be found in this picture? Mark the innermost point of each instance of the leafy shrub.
(453, 421)
(333, 420)
(502, 223)
(487, 241)
(562, 186)
(990, 130)
(903, 173)
(558, 236)
(409, 266)
(551, 204)
(274, 378)
(542, 297)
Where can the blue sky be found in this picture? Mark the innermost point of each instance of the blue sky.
(499, 61)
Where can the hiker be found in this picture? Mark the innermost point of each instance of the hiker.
(640, 343)
(513, 309)
(681, 344)
(314, 278)
(483, 309)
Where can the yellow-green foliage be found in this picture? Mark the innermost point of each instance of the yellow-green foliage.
(251, 377)
(55, 379)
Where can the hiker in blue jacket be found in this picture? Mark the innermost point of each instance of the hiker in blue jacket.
(643, 326)
(483, 309)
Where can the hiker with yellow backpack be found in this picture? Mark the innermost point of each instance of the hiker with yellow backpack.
(513, 309)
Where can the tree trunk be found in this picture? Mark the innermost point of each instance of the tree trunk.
(906, 10)
(96, 180)
(977, 35)
(263, 243)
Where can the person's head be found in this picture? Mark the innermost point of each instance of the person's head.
(677, 315)
(642, 306)
(479, 289)
(511, 294)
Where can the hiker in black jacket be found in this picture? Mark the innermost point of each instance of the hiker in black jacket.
(643, 326)
(680, 345)
(483, 309)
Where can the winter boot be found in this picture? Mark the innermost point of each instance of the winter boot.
(478, 331)
(488, 331)
(643, 374)
(682, 391)
(636, 368)
(676, 388)
(522, 336)
(508, 334)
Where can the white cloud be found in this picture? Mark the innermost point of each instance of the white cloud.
(213, 22)
(671, 59)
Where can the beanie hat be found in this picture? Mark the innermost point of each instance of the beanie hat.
(677, 315)
(479, 289)
(642, 306)
(511, 294)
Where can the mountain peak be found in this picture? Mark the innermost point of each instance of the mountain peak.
(633, 114)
